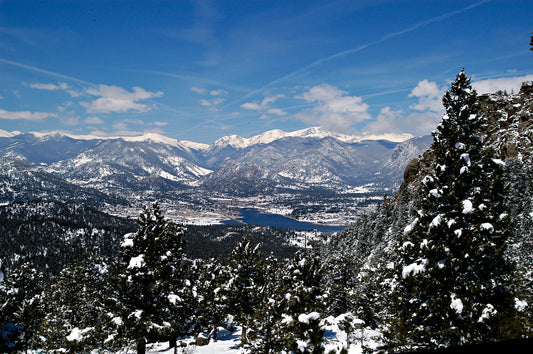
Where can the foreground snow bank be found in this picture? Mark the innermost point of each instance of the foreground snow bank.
(228, 342)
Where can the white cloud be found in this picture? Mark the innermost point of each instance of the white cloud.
(71, 120)
(26, 115)
(276, 112)
(50, 87)
(386, 123)
(421, 123)
(93, 120)
(429, 96)
(114, 99)
(121, 126)
(213, 101)
(218, 92)
(159, 124)
(210, 103)
(509, 84)
(264, 106)
(201, 91)
(334, 109)
(134, 121)
(63, 86)
(252, 106)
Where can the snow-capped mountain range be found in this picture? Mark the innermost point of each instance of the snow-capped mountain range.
(232, 164)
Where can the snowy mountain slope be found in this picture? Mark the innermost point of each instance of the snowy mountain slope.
(274, 159)
(20, 181)
(43, 149)
(121, 163)
(311, 161)
(270, 136)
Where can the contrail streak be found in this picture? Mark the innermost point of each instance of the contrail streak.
(43, 71)
(364, 46)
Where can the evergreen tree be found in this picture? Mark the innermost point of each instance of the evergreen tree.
(77, 317)
(340, 283)
(22, 306)
(301, 325)
(246, 279)
(452, 277)
(148, 272)
(212, 304)
(267, 335)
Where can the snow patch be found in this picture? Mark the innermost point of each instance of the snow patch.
(499, 162)
(488, 312)
(410, 227)
(76, 335)
(415, 268)
(486, 226)
(520, 305)
(456, 304)
(306, 318)
(136, 262)
(468, 207)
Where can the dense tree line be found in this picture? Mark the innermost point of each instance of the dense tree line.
(152, 292)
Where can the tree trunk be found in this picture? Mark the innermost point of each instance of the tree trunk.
(244, 340)
(173, 344)
(141, 347)
(215, 332)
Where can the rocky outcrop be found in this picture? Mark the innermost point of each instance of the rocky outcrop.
(508, 130)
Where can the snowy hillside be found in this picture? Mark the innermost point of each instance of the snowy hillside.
(288, 160)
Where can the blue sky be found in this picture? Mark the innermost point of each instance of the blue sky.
(199, 70)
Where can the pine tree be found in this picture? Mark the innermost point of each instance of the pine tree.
(22, 305)
(77, 317)
(148, 274)
(304, 303)
(212, 304)
(340, 283)
(268, 330)
(246, 279)
(451, 278)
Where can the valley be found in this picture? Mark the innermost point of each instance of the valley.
(309, 175)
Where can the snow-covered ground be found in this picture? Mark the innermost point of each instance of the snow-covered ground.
(229, 342)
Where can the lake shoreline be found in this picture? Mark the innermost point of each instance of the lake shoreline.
(250, 216)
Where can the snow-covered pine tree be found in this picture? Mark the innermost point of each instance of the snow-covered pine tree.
(76, 312)
(246, 279)
(451, 278)
(148, 272)
(340, 283)
(520, 202)
(267, 335)
(212, 304)
(301, 325)
(22, 306)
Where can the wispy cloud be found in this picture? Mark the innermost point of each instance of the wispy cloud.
(93, 120)
(214, 93)
(264, 107)
(364, 46)
(201, 91)
(43, 71)
(25, 115)
(63, 86)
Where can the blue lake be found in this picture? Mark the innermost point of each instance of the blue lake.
(254, 217)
